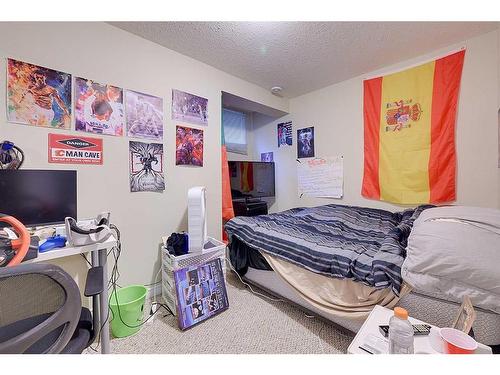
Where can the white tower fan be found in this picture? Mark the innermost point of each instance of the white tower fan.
(197, 219)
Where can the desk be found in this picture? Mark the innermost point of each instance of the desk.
(380, 316)
(99, 255)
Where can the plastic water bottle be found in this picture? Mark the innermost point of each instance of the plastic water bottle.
(400, 333)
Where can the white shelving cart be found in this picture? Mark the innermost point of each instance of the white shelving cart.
(213, 249)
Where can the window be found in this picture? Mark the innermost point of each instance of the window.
(235, 131)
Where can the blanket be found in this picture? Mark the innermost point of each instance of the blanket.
(347, 242)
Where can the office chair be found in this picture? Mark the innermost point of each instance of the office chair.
(41, 310)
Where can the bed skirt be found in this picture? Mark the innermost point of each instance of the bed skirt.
(339, 297)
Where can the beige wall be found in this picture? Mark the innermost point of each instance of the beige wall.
(336, 113)
(109, 55)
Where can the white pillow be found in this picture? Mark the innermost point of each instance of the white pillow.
(454, 251)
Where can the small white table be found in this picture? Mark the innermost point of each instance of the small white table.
(380, 316)
(99, 255)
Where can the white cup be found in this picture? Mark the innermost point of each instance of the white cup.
(451, 340)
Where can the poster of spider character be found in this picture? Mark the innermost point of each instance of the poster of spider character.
(189, 146)
(146, 166)
(38, 96)
(98, 108)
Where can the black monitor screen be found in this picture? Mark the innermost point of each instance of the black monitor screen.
(251, 179)
(38, 197)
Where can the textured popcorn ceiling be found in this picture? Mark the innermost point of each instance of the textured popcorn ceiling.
(303, 56)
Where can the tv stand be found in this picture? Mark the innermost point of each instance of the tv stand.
(249, 207)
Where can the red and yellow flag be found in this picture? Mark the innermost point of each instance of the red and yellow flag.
(409, 133)
(227, 202)
(246, 170)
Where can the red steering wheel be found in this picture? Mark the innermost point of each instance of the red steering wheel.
(21, 244)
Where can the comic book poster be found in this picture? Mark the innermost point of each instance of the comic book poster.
(285, 134)
(98, 108)
(201, 293)
(189, 108)
(305, 142)
(146, 166)
(144, 115)
(267, 156)
(38, 96)
(189, 146)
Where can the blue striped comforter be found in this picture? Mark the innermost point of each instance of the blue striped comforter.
(363, 244)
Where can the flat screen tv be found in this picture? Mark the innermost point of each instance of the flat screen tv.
(251, 179)
(38, 197)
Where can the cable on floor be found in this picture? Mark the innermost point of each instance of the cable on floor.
(113, 283)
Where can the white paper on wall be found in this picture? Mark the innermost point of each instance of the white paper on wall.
(321, 177)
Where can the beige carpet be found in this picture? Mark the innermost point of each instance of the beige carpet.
(251, 325)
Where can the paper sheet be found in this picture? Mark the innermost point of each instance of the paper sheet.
(321, 177)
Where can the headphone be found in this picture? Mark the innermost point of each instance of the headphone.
(11, 156)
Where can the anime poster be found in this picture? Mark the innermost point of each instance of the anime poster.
(189, 108)
(201, 293)
(98, 108)
(144, 115)
(285, 134)
(189, 146)
(38, 96)
(305, 142)
(146, 166)
(267, 156)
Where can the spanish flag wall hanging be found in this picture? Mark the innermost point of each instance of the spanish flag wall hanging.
(409, 120)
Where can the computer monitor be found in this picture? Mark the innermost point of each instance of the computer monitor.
(251, 179)
(38, 197)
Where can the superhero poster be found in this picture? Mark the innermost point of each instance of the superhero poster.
(98, 108)
(144, 115)
(189, 146)
(38, 96)
(189, 108)
(285, 134)
(267, 157)
(146, 166)
(305, 142)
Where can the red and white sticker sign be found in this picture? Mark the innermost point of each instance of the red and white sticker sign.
(68, 149)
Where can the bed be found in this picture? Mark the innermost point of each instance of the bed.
(339, 261)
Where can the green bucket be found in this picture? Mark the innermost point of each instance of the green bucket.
(128, 319)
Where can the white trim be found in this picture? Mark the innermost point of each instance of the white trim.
(437, 56)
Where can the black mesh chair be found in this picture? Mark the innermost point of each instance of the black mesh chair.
(41, 310)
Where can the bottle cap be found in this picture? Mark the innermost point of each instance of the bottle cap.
(401, 313)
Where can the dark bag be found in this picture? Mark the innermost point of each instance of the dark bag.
(177, 244)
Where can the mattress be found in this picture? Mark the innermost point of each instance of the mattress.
(442, 313)
(427, 308)
(271, 282)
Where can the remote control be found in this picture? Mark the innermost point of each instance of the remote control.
(418, 330)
